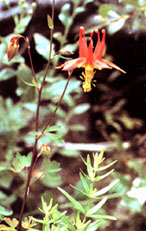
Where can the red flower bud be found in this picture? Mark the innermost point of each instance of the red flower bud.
(13, 46)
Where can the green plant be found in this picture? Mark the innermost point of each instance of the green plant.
(33, 124)
(86, 214)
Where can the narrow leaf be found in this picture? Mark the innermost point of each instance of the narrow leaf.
(80, 109)
(97, 207)
(107, 217)
(105, 189)
(84, 182)
(75, 203)
(104, 176)
(6, 74)
(89, 167)
(53, 128)
(94, 225)
(107, 166)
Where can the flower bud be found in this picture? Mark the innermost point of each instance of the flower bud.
(45, 150)
(13, 46)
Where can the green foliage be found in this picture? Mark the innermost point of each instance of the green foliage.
(49, 172)
(4, 212)
(64, 16)
(86, 216)
(17, 130)
(20, 162)
(42, 45)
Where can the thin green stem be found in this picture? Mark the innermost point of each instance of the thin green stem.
(58, 104)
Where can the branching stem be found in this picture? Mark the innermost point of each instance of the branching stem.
(37, 119)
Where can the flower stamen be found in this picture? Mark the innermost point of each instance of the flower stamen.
(87, 76)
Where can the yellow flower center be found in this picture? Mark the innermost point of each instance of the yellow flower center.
(87, 76)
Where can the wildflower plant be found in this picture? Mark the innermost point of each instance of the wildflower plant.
(88, 59)
(87, 214)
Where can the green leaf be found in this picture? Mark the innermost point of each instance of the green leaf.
(34, 133)
(75, 203)
(80, 109)
(77, 127)
(22, 24)
(27, 93)
(87, 1)
(131, 203)
(49, 166)
(6, 74)
(46, 208)
(6, 178)
(85, 183)
(51, 180)
(79, 10)
(42, 45)
(105, 217)
(89, 167)
(125, 181)
(104, 10)
(96, 207)
(65, 16)
(17, 163)
(54, 137)
(68, 222)
(105, 189)
(5, 212)
(118, 24)
(94, 225)
(20, 162)
(53, 128)
(107, 166)
(27, 83)
(76, 2)
(82, 195)
(16, 59)
(4, 166)
(101, 177)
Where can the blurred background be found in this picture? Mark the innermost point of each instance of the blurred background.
(111, 115)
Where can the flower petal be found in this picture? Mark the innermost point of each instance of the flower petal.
(82, 43)
(114, 66)
(89, 60)
(72, 64)
(98, 52)
(100, 64)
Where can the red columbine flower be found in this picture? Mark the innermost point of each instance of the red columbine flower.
(13, 46)
(88, 59)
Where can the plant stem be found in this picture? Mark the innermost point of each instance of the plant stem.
(30, 58)
(47, 68)
(27, 185)
(37, 119)
(58, 104)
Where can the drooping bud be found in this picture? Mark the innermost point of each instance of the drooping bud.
(45, 150)
(65, 52)
(13, 46)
